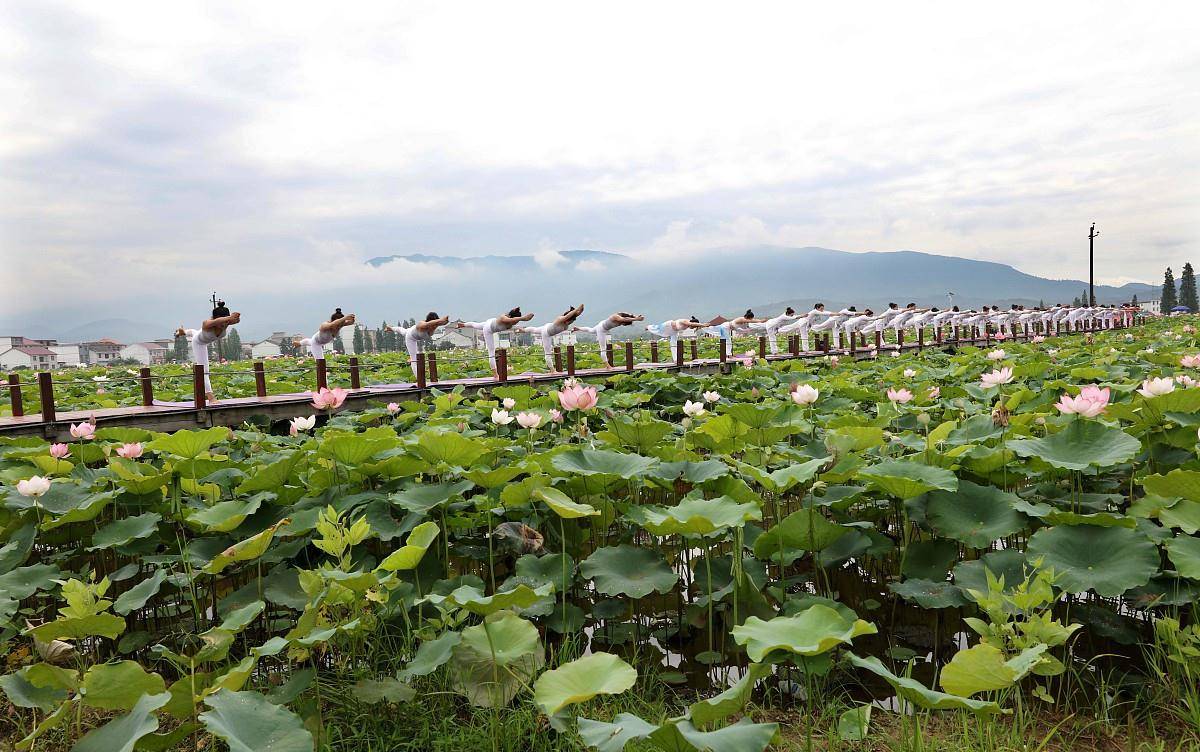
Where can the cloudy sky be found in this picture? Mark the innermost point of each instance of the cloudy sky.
(150, 152)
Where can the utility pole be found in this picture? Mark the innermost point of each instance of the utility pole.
(1092, 264)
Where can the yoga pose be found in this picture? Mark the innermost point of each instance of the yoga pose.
(325, 334)
(490, 327)
(547, 332)
(417, 335)
(210, 331)
(602, 329)
(771, 327)
(727, 330)
(804, 324)
(671, 329)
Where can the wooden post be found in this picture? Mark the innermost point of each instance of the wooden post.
(355, 374)
(679, 353)
(260, 377)
(198, 386)
(629, 355)
(557, 358)
(322, 375)
(501, 365)
(608, 354)
(14, 395)
(920, 338)
(431, 367)
(852, 336)
(823, 345)
(421, 368)
(654, 351)
(147, 387)
(695, 349)
(570, 360)
(721, 345)
(794, 345)
(46, 391)
(762, 347)
(937, 334)
(899, 339)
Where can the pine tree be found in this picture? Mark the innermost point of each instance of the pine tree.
(181, 349)
(232, 345)
(338, 345)
(359, 346)
(1134, 302)
(1168, 300)
(1187, 288)
(1041, 303)
(1083, 299)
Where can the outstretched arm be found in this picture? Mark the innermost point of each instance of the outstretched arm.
(222, 321)
(336, 325)
(429, 327)
(569, 316)
(511, 320)
(625, 319)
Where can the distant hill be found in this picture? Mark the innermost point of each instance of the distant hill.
(569, 259)
(124, 331)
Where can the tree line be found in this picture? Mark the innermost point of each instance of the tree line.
(1184, 295)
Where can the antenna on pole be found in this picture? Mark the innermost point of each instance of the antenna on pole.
(1092, 235)
(951, 296)
(214, 299)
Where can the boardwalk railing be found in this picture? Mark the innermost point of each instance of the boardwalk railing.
(565, 362)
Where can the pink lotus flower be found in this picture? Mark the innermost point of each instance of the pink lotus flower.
(996, 378)
(1092, 401)
(833, 360)
(556, 416)
(1156, 387)
(130, 451)
(58, 451)
(899, 396)
(577, 397)
(529, 420)
(393, 408)
(1190, 361)
(83, 430)
(1187, 381)
(935, 392)
(747, 358)
(1000, 336)
(1038, 338)
(329, 399)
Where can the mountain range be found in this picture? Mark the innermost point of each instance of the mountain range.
(726, 282)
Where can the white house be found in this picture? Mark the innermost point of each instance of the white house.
(1151, 306)
(35, 356)
(147, 353)
(468, 338)
(70, 354)
(271, 346)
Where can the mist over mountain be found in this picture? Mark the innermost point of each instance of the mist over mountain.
(767, 279)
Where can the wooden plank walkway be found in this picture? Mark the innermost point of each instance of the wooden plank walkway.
(173, 416)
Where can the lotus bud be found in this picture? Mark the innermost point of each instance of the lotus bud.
(923, 418)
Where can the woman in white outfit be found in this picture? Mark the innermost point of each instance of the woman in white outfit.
(672, 328)
(602, 329)
(325, 334)
(419, 334)
(804, 324)
(492, 326)
(547, 332)
(209, 332)
(771, 327)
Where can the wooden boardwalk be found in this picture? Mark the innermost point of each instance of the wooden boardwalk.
(158, 415)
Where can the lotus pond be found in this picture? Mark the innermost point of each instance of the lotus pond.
(972, 550)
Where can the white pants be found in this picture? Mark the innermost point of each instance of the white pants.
(546, 333)
(667, 331)
(200, 342)
(832, 325)
(601, 332)
(488, 328)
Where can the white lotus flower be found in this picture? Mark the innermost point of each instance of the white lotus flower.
(805, 394)
(996, 355)
(509, 403)
(35, 486)
(301, 424)
(693, 409)
(1156, 387)
(909, 373)
(712, 396)
(501, 417)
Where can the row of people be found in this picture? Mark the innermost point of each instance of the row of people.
(847, 322)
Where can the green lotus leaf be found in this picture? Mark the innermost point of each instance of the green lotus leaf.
(246, 550)
(814, 631)
(24, 694)
(430, 656)
(390, 689)
(929, 593)
(494, 477)
(641, 435)
(627, 570)
(89, 508)
(803, 530)
(905, 479)
(918, 694)
(14, 553)
(448, 448)
(753, 416)
(272, 476)
(854, 724)
(78, 628)
(249, 722)
(743, 736)
(226, 516)
(472, 598)
(188, 444)
(581, 680)
(23, 582)
(424, 497)
(410, 554)
(123, 733)
(975, 515)
(690, 472)
(1082, 444)
(1185, 555)
(612, 737)
(1109, 560)
(562, 505)
(780, 481)
(138, 477)
(1184, 514)
(118, 686)
(695, 516)
(137, 596)
(495, 659)
(855, 438)
(974, 430)
(353, 450)
(732, 700)
(983, 668)
(1008, 563)
(125, 531)
(1181, 483)
(600, 462)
